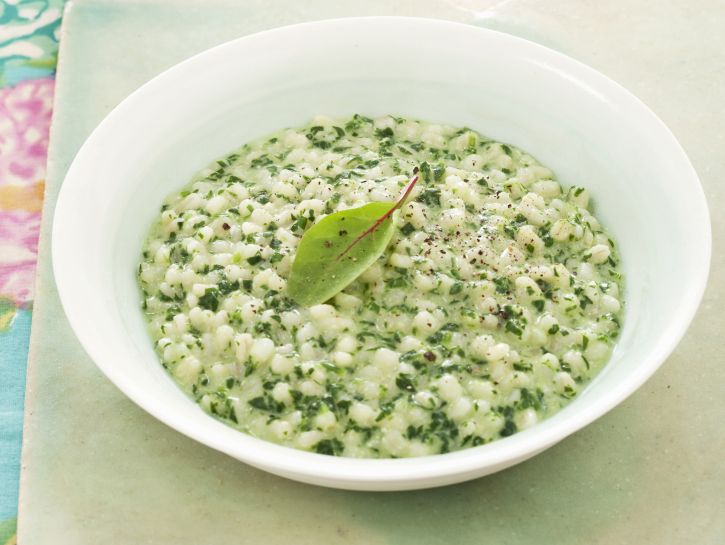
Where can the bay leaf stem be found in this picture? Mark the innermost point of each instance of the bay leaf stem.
(398, 203)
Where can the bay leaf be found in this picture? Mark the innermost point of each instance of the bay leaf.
(334, 252)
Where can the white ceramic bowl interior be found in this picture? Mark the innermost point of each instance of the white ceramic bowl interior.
(585, 127)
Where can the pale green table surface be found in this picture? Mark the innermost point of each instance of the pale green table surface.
(97, 469)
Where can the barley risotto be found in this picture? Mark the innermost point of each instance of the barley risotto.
(497, 300)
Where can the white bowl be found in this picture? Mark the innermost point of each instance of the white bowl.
(585, 127)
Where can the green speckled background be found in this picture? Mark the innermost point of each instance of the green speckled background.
(96, 469)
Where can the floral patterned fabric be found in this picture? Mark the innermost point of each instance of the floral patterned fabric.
(28, 49)
(24, 123)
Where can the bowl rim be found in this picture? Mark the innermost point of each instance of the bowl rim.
(354, 472)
